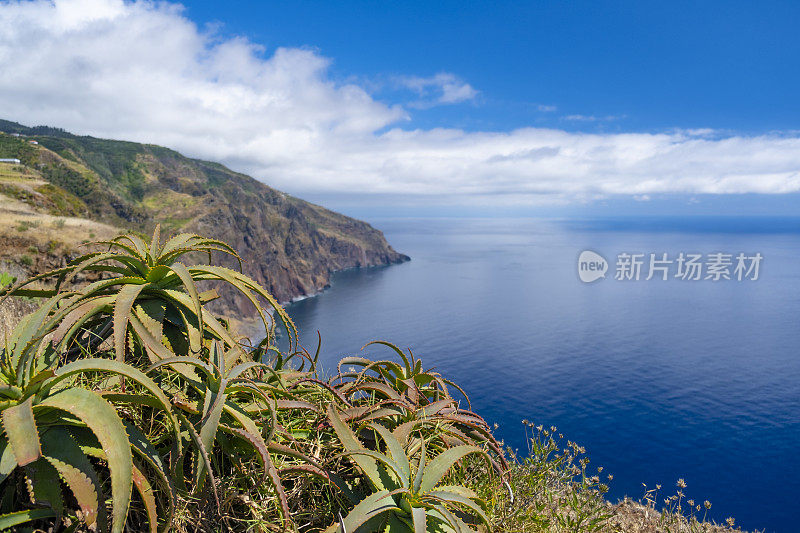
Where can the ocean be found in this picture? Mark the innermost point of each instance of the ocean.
(658, 379)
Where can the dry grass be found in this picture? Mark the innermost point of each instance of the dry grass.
(17, 218)
(555, 492)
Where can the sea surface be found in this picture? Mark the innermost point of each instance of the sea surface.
(659, 380)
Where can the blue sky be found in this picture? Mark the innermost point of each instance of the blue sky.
(649, 65)
(426, 108)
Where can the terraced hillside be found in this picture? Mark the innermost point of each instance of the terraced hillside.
(69, 189)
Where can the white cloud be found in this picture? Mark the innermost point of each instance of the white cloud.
(142, 71)
(593, 118)
(443, 88)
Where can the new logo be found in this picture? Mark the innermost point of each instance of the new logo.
(591, 266)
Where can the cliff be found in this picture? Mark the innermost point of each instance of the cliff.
(91, 187)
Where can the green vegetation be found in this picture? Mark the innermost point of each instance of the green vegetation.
(130, 383)
(6, 279)
(18, 148)
(127, 405)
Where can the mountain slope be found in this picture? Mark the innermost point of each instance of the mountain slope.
(290, 246)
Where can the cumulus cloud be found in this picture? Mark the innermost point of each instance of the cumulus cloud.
(142, 71)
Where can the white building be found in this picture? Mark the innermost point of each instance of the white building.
(12, 161)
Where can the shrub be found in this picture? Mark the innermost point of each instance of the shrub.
(130, 382)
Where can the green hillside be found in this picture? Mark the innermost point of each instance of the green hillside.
(291, 246)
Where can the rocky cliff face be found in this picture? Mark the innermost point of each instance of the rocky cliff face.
(289, 245)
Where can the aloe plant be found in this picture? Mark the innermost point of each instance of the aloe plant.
(147, 293)
(131, 383)
(42, 414)
(407, 398)
(407, 494)
(387, 379)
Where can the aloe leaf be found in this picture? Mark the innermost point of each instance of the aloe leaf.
(209, 425)
(104, 285)
(102, 419)
(434, 407)
(148, 498)
(370, 507)
(155, 242)
(382, 459)
(241, 416)
(241, 368)
(353, 360)
(158, 273)
(306, 469)
(63, 453)
(153, 346)
(186, 242)
(382, 414)
(122, 311)
(21, 431)
(443, 521)
(441, 464)
(77, 316)
(122, 369)
(178, 363)
(7, 521)
(173, 243)
(403, 431)
(29, 331)
(212, 323)
(275, 479)
(396, 450)
(247, 287)
(146, 451)
(203, 455)
(394, 524)
(457, 489)
(16, 290)
(138, 243)
(368, 465)
(8, 463)
(456, 386)
(45, 488)
(333, 390)
(185, 276)
(282, 449)
(420, 469)
(296, 404)
(393, 347)
(151, 314)
(452, 497)
(383, 388)
(90, 259)
(419, 519)
(448, 517)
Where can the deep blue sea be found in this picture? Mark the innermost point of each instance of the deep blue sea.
(659, 380)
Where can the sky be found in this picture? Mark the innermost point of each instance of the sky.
(436, 108)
